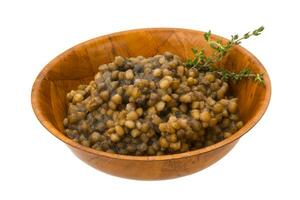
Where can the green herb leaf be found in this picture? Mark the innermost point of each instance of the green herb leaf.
(206, 63)
(207, 35)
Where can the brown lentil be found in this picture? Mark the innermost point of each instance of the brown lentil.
(117, 99)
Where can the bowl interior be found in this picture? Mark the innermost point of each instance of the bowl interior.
(79, 64)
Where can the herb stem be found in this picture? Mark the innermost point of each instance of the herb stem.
(205, 63)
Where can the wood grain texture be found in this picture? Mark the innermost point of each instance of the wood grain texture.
(79, 64)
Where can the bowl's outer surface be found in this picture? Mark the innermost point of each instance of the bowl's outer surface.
(153, 169)
(79, 64)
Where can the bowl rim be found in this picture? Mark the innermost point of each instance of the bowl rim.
(54, 131)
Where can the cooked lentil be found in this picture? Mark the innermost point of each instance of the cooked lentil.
(151, 106)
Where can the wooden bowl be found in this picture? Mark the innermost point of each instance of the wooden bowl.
(79, 64)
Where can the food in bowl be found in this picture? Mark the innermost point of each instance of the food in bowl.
(158, 105)
(151, 106)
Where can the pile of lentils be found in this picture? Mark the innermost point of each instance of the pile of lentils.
(151, 106)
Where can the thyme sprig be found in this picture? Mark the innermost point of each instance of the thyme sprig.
(205, 63)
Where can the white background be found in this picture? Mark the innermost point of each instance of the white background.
(36, 165)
